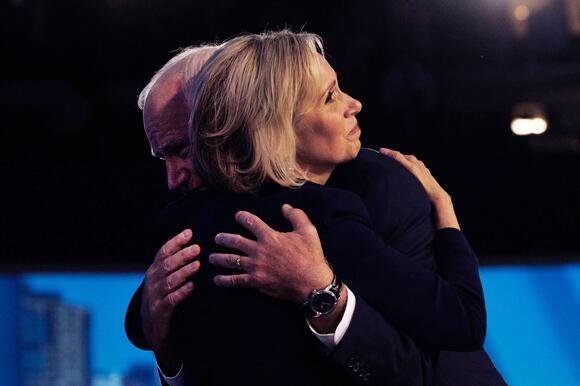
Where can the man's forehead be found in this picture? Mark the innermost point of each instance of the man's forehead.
(164, 105)
(165, 124)
(166, 139)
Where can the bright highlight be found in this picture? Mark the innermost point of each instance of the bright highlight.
(521, 12)
(528, 126)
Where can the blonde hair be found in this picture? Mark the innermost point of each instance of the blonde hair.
(245, 102)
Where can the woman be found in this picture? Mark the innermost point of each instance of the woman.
(269, 124)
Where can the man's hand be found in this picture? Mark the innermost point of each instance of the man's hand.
(165, 286)
(282, 265)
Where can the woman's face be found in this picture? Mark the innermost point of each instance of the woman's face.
(327, 133)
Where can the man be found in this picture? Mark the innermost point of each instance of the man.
(165, 285)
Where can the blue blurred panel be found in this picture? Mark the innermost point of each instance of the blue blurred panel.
(572, 273)
(9, 329)
(106, 297)
(533, 323)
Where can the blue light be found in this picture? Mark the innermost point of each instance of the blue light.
(534, 323)
(533, 320)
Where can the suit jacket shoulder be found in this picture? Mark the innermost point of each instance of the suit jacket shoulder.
(398, 205)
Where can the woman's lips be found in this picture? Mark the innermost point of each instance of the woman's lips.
(354, 130)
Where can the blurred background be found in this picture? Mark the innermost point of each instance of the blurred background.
(486, 92)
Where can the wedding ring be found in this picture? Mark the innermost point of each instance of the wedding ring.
(238, 264)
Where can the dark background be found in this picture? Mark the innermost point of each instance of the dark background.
(436, 78)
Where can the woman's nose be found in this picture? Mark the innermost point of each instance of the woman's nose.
(354, 106)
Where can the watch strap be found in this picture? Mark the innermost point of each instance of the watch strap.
(334, 287)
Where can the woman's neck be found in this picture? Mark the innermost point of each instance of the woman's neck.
(318, 175)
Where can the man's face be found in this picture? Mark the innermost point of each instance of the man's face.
(165, 123)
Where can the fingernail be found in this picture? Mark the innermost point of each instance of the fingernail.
(286, 207)
(194, 248)
(218, 237)
(216, 281)
(195, 264)
(210, 258)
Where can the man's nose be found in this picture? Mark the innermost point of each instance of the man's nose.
(177, 177)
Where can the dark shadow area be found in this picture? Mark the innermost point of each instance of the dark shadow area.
(437, 79)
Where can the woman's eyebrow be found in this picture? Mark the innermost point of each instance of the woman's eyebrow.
(331, 85)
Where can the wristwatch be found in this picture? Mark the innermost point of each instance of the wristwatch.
(322, 301)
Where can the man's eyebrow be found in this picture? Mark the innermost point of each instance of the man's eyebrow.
(169, 147)
(174, 144)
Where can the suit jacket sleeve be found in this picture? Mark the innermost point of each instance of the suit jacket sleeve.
(444, 310)
(441, 310)
(133, 326)
(373, 352)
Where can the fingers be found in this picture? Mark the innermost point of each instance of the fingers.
(410, 162)
(234, 281)
(398, 156)
(228, 260)
(174, 245)
(384, 151)
(297, 217)
(179, 259)
(179, 277)
(253, 223)
(435, 192)
(235, 242)
(164, 276)
(172, 299)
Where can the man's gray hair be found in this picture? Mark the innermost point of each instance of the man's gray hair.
(196, 57)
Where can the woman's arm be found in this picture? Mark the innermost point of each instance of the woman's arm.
(446, 311)
(442, 310)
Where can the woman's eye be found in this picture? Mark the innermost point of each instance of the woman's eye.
(330, 96)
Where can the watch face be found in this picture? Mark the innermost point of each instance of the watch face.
(323, 302)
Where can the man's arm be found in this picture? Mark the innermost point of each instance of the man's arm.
(405, 356)
(278, 264)
(149, 312)
(445, 310)
(166, 284)
(373, 352)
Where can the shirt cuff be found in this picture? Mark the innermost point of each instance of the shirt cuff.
(176, 380)
(330, 341)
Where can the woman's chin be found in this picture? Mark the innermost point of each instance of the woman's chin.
(356, 146)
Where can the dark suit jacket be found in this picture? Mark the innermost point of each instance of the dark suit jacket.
(401, 213)
(394, 287)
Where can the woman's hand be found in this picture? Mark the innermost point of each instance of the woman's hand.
(446, 217)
